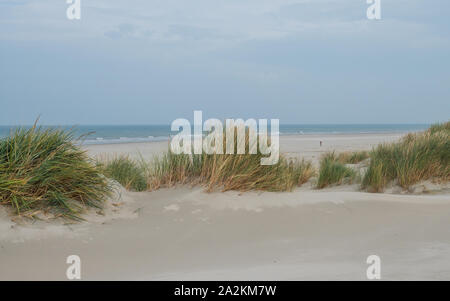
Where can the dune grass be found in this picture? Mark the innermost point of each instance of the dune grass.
(43, 170)
(241, 172)
(416, 157)
(130, 173)
(439, 127)
(214, 172)
(333, 172)
(228, 172)
(223, 172)
(352, 157)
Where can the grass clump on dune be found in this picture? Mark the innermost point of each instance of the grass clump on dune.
(228, 172)
(241, 172)
(332, 171)
(224, 172)
(416, 157)
(244, 172)
(439, 127)
(352, 157)
(170, 169)
(130, 173)
(43, 170)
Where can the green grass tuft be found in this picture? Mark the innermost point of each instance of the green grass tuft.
(228, 172)
(42, 170)
(224, 172)
(131, 174)
(416, 157)
(332, 171)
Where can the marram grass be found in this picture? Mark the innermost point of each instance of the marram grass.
(241, 172)
(130, 173)
(416, 157)
(222, 172)
(333, 172)
(352, 157)
(228, 172)
(43, 170)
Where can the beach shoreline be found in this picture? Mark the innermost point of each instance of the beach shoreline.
(300, 146)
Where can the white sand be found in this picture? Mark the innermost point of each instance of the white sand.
(186, 234)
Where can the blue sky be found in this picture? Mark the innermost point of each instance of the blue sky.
(150, 62)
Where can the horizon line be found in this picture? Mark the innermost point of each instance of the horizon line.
(168, 124)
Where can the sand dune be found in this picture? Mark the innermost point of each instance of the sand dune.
(186, 234)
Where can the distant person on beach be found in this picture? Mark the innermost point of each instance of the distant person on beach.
(320, 142)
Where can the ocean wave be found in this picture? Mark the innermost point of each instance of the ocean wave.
(101, 140)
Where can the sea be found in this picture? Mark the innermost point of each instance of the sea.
(108, 134)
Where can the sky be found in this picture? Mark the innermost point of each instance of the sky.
(150, 62)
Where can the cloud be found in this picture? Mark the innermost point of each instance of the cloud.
(290, 57)
(123, 30)
(191, 32)
(232, 21)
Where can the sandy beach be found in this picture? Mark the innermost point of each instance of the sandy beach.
(184, 233)
(300, 146)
